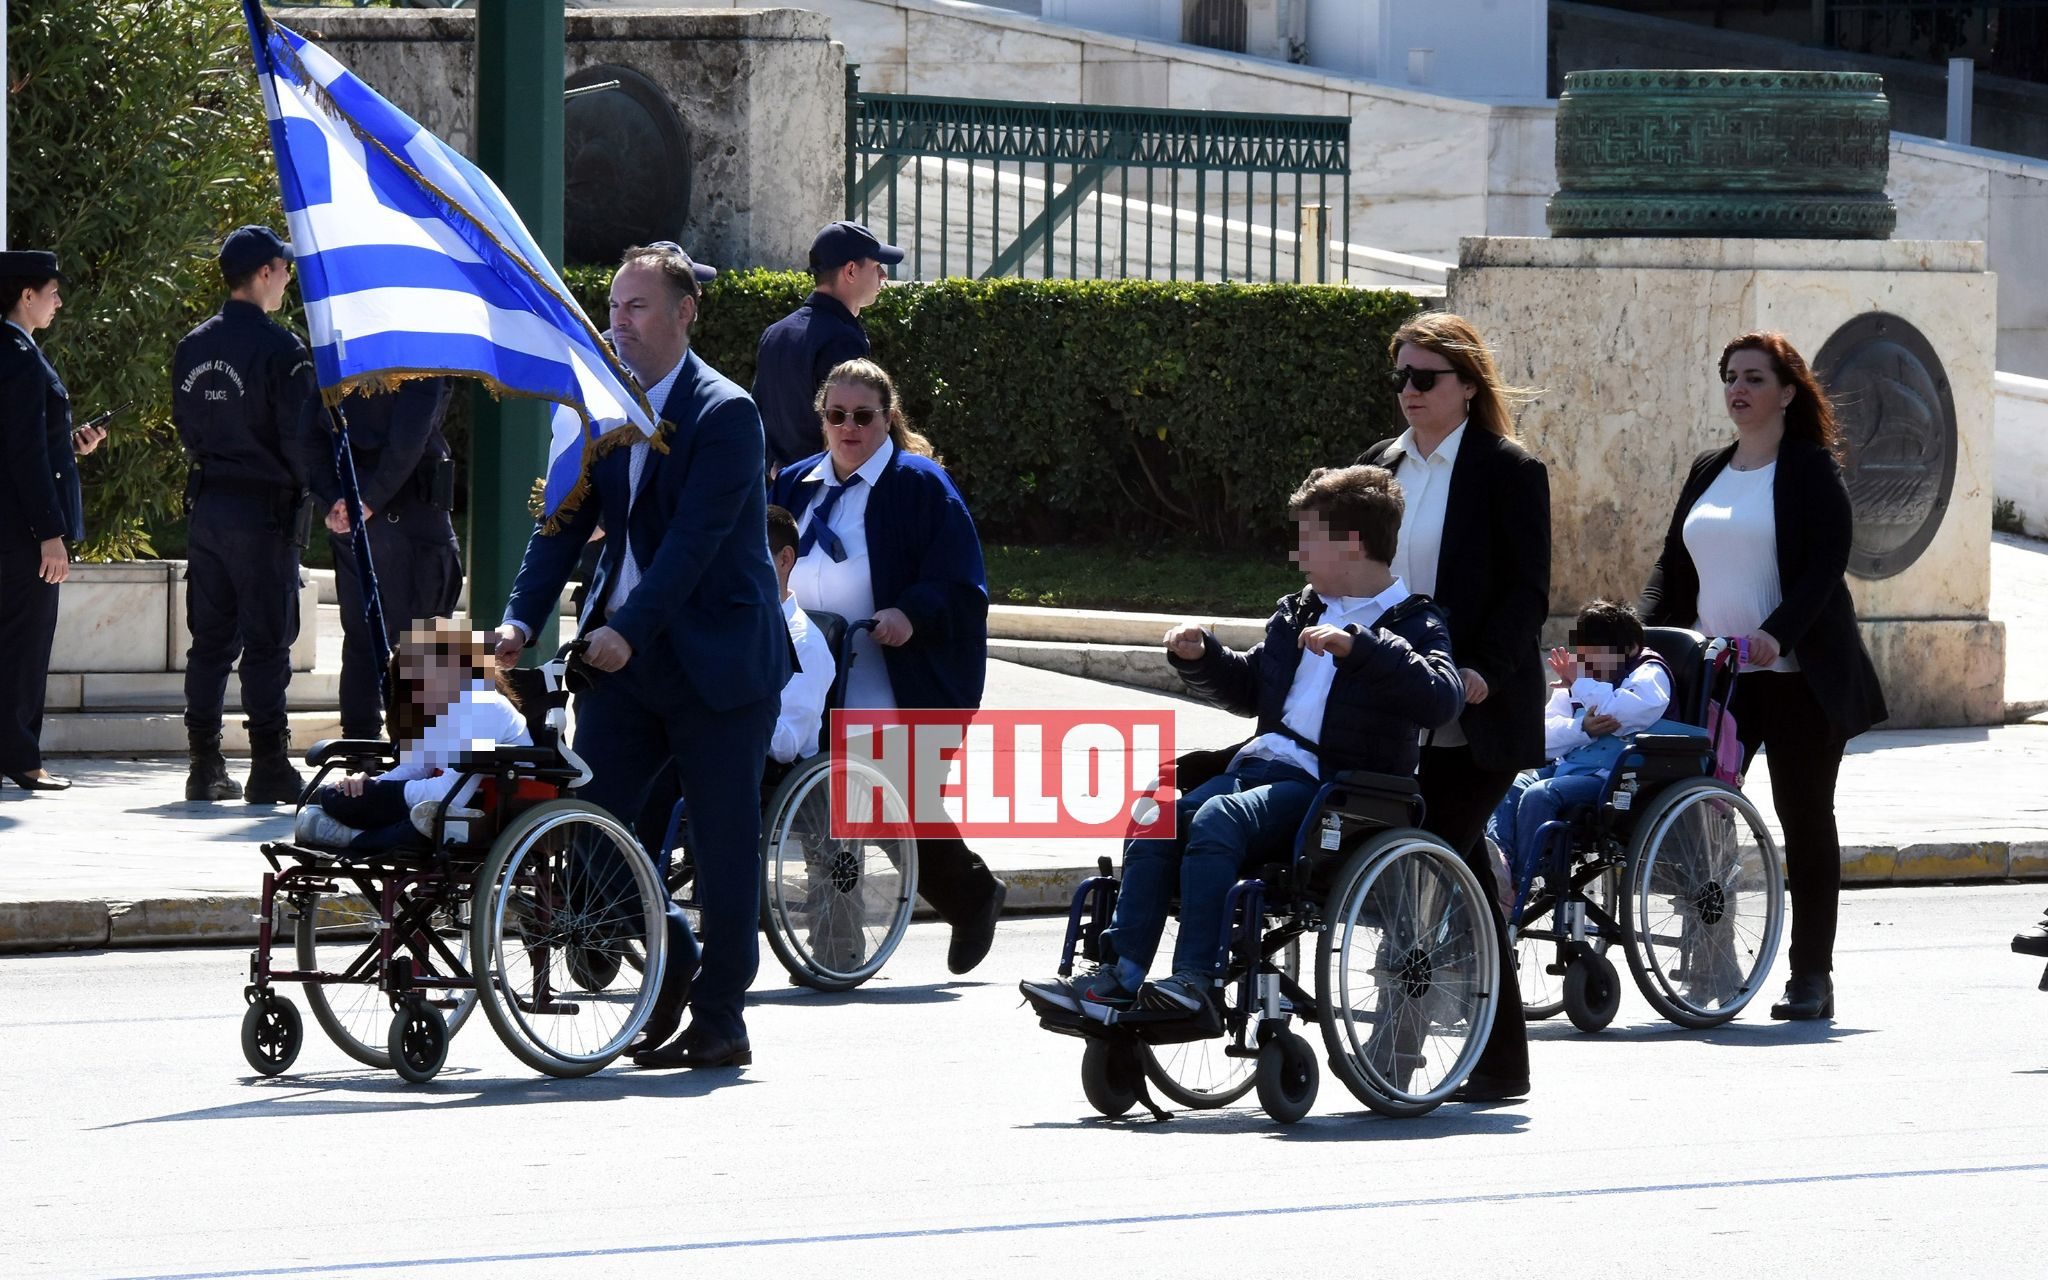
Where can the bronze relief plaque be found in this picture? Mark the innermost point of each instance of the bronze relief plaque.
(1891, 396)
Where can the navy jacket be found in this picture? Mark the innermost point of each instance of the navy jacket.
(39, 495)
(706, 607)
(796, 353)
(1816, 620)
(1398, 680)
(389, 434)
(245, 405)
(924, 557)
(1493, 584)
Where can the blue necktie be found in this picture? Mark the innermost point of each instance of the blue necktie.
(818, 531)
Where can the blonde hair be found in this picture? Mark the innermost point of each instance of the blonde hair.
(1452, 336)
(866, 373)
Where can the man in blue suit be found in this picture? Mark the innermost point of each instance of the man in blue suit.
(684, 617)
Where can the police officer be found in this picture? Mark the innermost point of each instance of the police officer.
(849, 266)
(243, 399)
(408, 485)
(40, 508)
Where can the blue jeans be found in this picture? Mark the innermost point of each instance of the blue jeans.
(380, 813)
(1249, 815)
(1533, 799)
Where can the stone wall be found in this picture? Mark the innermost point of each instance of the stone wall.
(761, 92)
(2023, 449)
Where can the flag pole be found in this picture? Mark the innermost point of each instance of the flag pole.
(359, 538)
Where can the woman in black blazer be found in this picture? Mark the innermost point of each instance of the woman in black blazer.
(1757, 548)
(40, 507)
(1475, 535)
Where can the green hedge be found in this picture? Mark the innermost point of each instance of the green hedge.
(1108, 410)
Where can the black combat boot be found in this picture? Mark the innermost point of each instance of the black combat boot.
(272, 780)
(209, 778)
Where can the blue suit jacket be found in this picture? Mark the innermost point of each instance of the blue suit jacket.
(706, 605)
(924, 557)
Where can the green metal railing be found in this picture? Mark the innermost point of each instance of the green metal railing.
(976, 187)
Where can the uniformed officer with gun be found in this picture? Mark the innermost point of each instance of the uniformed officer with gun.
(246, 407)
(408, 487)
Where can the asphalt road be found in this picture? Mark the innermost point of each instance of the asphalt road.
(926, 1126)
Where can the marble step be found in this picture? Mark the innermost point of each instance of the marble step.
(91, 693)
(163, 733)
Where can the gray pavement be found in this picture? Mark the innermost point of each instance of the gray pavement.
(925, 1126)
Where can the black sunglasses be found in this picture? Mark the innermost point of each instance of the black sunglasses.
(861, 417)
(1424, 379)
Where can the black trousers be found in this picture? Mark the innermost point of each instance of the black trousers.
(241, 601)
(1776, 711)
(419, 576)
(1461, 796)
(28, 626)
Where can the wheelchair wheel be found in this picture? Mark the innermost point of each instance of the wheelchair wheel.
(1198, 1074)
(272, 1034)
(1591, 992)
(1543, 991)
(417, 1041)
(1704, 901)
(337, 933)
(1406, 972)
(1109, 1077)
(564, 889)
(1287, 1077)
(834, 908)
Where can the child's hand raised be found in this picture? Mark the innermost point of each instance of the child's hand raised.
(1335, 641)
(1187, 642)
(1565, 665)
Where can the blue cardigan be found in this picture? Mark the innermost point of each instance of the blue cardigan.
(924, 558)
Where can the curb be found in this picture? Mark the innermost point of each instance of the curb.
(215, 919)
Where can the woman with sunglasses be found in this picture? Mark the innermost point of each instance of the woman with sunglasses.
(1758, 547)
(1475, 536)
(882, 533)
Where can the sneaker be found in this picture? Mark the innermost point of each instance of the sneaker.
(423, 819)
(316, 828)
(1094, 994)
(1181, 993)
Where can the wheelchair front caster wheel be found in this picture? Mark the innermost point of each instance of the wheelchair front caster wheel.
(272, 1034)
(1287, 1077)
(418, 1041)
(1109, 1077)
(1592, 991)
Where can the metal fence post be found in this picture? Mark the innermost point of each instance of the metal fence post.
(1313, 242)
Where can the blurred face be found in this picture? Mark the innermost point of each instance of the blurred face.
(1602, 662)
(38, 307)
(1438, 410)
(1325, 558)
(1751, 391)
(855, 425)
(650, 322)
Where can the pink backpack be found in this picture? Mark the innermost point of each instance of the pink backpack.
(1725, 656)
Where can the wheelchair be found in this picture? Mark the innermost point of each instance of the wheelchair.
(1673, 864)
(537, 906)
(1405, 971)
(834, 908)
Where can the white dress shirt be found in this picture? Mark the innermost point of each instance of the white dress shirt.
(845, 587)
(1425, 493)
(803, 698)
(480, 719)
(629, 564)
(1309, 696)
(1732, 535)
(1641, 701)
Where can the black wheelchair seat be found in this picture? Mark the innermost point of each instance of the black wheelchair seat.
(1685, 652)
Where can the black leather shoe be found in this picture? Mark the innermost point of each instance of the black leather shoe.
(695, 1049)
(1806, 998)
(48, 782)
(660, 1027)
(2032, 944)
(1490, 1089)
(973, 937)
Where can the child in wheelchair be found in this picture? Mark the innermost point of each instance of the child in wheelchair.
(803, 697)
(1352, 671)
(448, 699)
(1610, 688)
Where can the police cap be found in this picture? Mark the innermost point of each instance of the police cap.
(845, 242)
(33, 264)
(248, 248)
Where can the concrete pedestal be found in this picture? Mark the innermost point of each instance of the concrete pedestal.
(1623, 335)
(128, 619)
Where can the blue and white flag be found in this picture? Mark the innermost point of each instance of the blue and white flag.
(412, 263)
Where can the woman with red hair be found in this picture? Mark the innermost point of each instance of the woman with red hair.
(1757, 549)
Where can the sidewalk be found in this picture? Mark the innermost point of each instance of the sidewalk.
(123, 860)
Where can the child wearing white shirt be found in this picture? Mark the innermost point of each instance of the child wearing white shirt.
(803, 698)
(449, 702)
(1609, 690)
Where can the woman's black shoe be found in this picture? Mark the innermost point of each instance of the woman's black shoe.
(48, 782)
(1806, 998)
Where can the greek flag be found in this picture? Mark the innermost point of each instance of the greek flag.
(412, 263)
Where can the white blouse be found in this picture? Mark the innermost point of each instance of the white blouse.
(846, 587)
(1732, 535)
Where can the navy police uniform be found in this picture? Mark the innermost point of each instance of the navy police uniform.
(403, 469)
(797, 351)
(243, 400)
(39, 500)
